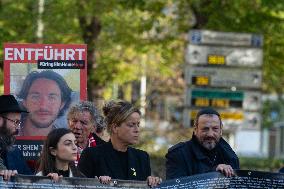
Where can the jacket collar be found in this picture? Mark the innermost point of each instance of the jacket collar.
(197, 148)
(222, 145)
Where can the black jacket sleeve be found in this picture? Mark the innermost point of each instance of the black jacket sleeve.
(235, 163)
(86, 165)
(230, 156)
(175, 167)
(148, 167)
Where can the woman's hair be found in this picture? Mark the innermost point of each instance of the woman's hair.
(116, 112)
(47, 160)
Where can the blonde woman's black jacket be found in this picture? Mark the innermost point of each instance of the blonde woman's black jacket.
(190, 158)
(103, 161)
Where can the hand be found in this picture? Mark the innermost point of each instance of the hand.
(105, 179)
(153, 181)
(8, 173)
(227, 170)
(54, 176)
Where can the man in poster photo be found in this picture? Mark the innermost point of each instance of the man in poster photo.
(45, 95)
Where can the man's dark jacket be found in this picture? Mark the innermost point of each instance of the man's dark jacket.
(98, 140)
(14, 160)
(103, 161)
(188, 158)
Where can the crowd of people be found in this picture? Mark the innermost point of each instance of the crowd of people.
(78, 150)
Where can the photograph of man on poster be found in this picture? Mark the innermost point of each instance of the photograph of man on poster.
(46, 96)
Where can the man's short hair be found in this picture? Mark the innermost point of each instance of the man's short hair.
(207, 111)
(51, 75)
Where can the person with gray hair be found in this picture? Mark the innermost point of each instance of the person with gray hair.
(86, 122)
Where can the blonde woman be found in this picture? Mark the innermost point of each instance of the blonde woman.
(116, 159)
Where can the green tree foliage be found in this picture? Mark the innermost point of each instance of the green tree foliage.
(126, 35)
(129, 38)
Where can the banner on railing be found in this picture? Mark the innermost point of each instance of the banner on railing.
(212, 180)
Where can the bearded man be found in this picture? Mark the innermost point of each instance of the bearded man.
(11, 157)
(207, 151)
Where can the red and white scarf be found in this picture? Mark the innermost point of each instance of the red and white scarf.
(91, 143)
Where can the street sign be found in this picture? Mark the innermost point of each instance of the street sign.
(231, 119)
(247, 100)
(223, 71)
(225, 38)
(223, 77)
(229, 56)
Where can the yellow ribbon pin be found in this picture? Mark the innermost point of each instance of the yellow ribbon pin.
(134, 171)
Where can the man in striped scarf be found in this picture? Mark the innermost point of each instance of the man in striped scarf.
(84, 119)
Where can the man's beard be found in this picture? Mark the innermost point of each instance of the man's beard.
(209, 145)
(7, 139)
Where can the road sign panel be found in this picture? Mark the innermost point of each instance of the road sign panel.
(225, 38)
(223, 77)
(229, 56)
(247, 100)
(226, 62)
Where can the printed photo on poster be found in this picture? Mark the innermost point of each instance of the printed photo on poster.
(45, 94)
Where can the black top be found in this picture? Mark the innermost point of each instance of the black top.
(63, 173)
(123, 159)
(75, 171)
(104, 160)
